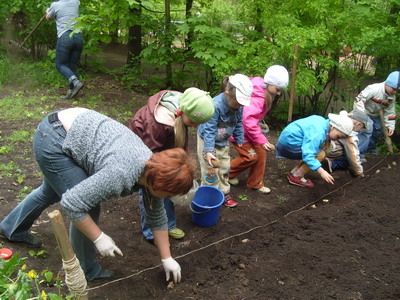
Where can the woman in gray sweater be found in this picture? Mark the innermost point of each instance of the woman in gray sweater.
(87, 158)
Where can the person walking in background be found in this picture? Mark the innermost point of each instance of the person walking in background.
(308, 139)
(163, 124)
(253, 153)
(87, 158)
(212, 136)
(373, 99)
(69, 47)
(345, 153)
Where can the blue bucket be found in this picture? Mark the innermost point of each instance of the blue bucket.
(206, 206)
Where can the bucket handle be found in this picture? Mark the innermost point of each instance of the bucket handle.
(198, 212)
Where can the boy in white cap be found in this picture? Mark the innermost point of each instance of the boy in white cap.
(253, 153)
(373, 99)
(308, 139)
(346, 153)
(212, 138)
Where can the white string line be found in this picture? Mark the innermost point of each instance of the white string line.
(238, 234)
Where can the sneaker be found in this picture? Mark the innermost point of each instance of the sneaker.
(300, 181)
(29, 240)
(104, 274)
(77, 87)
(67, 96)
(363, 160)
(264, 190)
(229, 202)
(233, 181)
(176, 233)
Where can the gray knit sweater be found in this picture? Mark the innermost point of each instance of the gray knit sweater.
(113, 157)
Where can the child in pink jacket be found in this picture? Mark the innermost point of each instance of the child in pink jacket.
(253, 153)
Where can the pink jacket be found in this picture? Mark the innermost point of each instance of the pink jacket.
(254, 114)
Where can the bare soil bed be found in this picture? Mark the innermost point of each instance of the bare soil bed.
(338, 241)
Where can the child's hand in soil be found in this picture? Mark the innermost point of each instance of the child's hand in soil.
(325, 175)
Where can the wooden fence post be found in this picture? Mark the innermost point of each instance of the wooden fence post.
(293, 83)
(75, 278)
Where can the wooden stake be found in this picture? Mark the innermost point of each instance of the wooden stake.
(388, 141)
(67, 253)
(293, 83)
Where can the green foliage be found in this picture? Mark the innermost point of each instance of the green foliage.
(235, 36)
(25, 191)
(20, 107)
(36, 254)
(4, 70)
(16, 283)
(9, 169)
(20, 136)
(31, 74)
(243, 197)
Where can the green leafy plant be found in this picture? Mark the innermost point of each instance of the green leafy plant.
(243, 197)
(24, 192)
(281, 199)
(20, 136)
(36, 254)
(18, 283)
(5, 149)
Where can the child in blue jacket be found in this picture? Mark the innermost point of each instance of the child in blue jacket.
(212, 138)
(308, 139)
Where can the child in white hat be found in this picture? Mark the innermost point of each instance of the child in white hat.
(308, 139)
(253, 153)
(212, 139)
(373, 99)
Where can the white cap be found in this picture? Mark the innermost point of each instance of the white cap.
(278, 76)
(341, 122)
(244, 88)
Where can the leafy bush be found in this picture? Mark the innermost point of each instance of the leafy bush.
(18, 283)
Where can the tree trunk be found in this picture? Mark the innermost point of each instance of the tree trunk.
(168, 43)
(135, 39)
(189, 38)
(258, 24)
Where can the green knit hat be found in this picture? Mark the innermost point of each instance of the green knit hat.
(197, 105)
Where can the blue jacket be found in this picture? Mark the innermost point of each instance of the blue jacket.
(308, 134)
(225, 123)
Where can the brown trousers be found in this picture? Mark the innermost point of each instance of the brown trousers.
(253, 157)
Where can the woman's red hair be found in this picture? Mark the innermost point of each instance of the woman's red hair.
(170, 171)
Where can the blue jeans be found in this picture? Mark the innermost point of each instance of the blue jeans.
(369, 138)
(169, 208)
(288, 152)
(340, 163)
(60, 174)
(68, 53)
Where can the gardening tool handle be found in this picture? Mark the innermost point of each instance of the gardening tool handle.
(388, 141)
(34, 29)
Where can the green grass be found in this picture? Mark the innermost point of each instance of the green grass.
(281, 199)
(20, 136)
(9, 169)
(20, 107)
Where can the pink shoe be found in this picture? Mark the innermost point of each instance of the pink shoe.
(300, 181)
(229, 202)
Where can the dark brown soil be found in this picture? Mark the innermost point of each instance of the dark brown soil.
(338, 241)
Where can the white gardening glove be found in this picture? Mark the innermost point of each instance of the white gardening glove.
(171, 265)
(106, 246)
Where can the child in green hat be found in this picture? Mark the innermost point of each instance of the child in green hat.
(163, 124)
